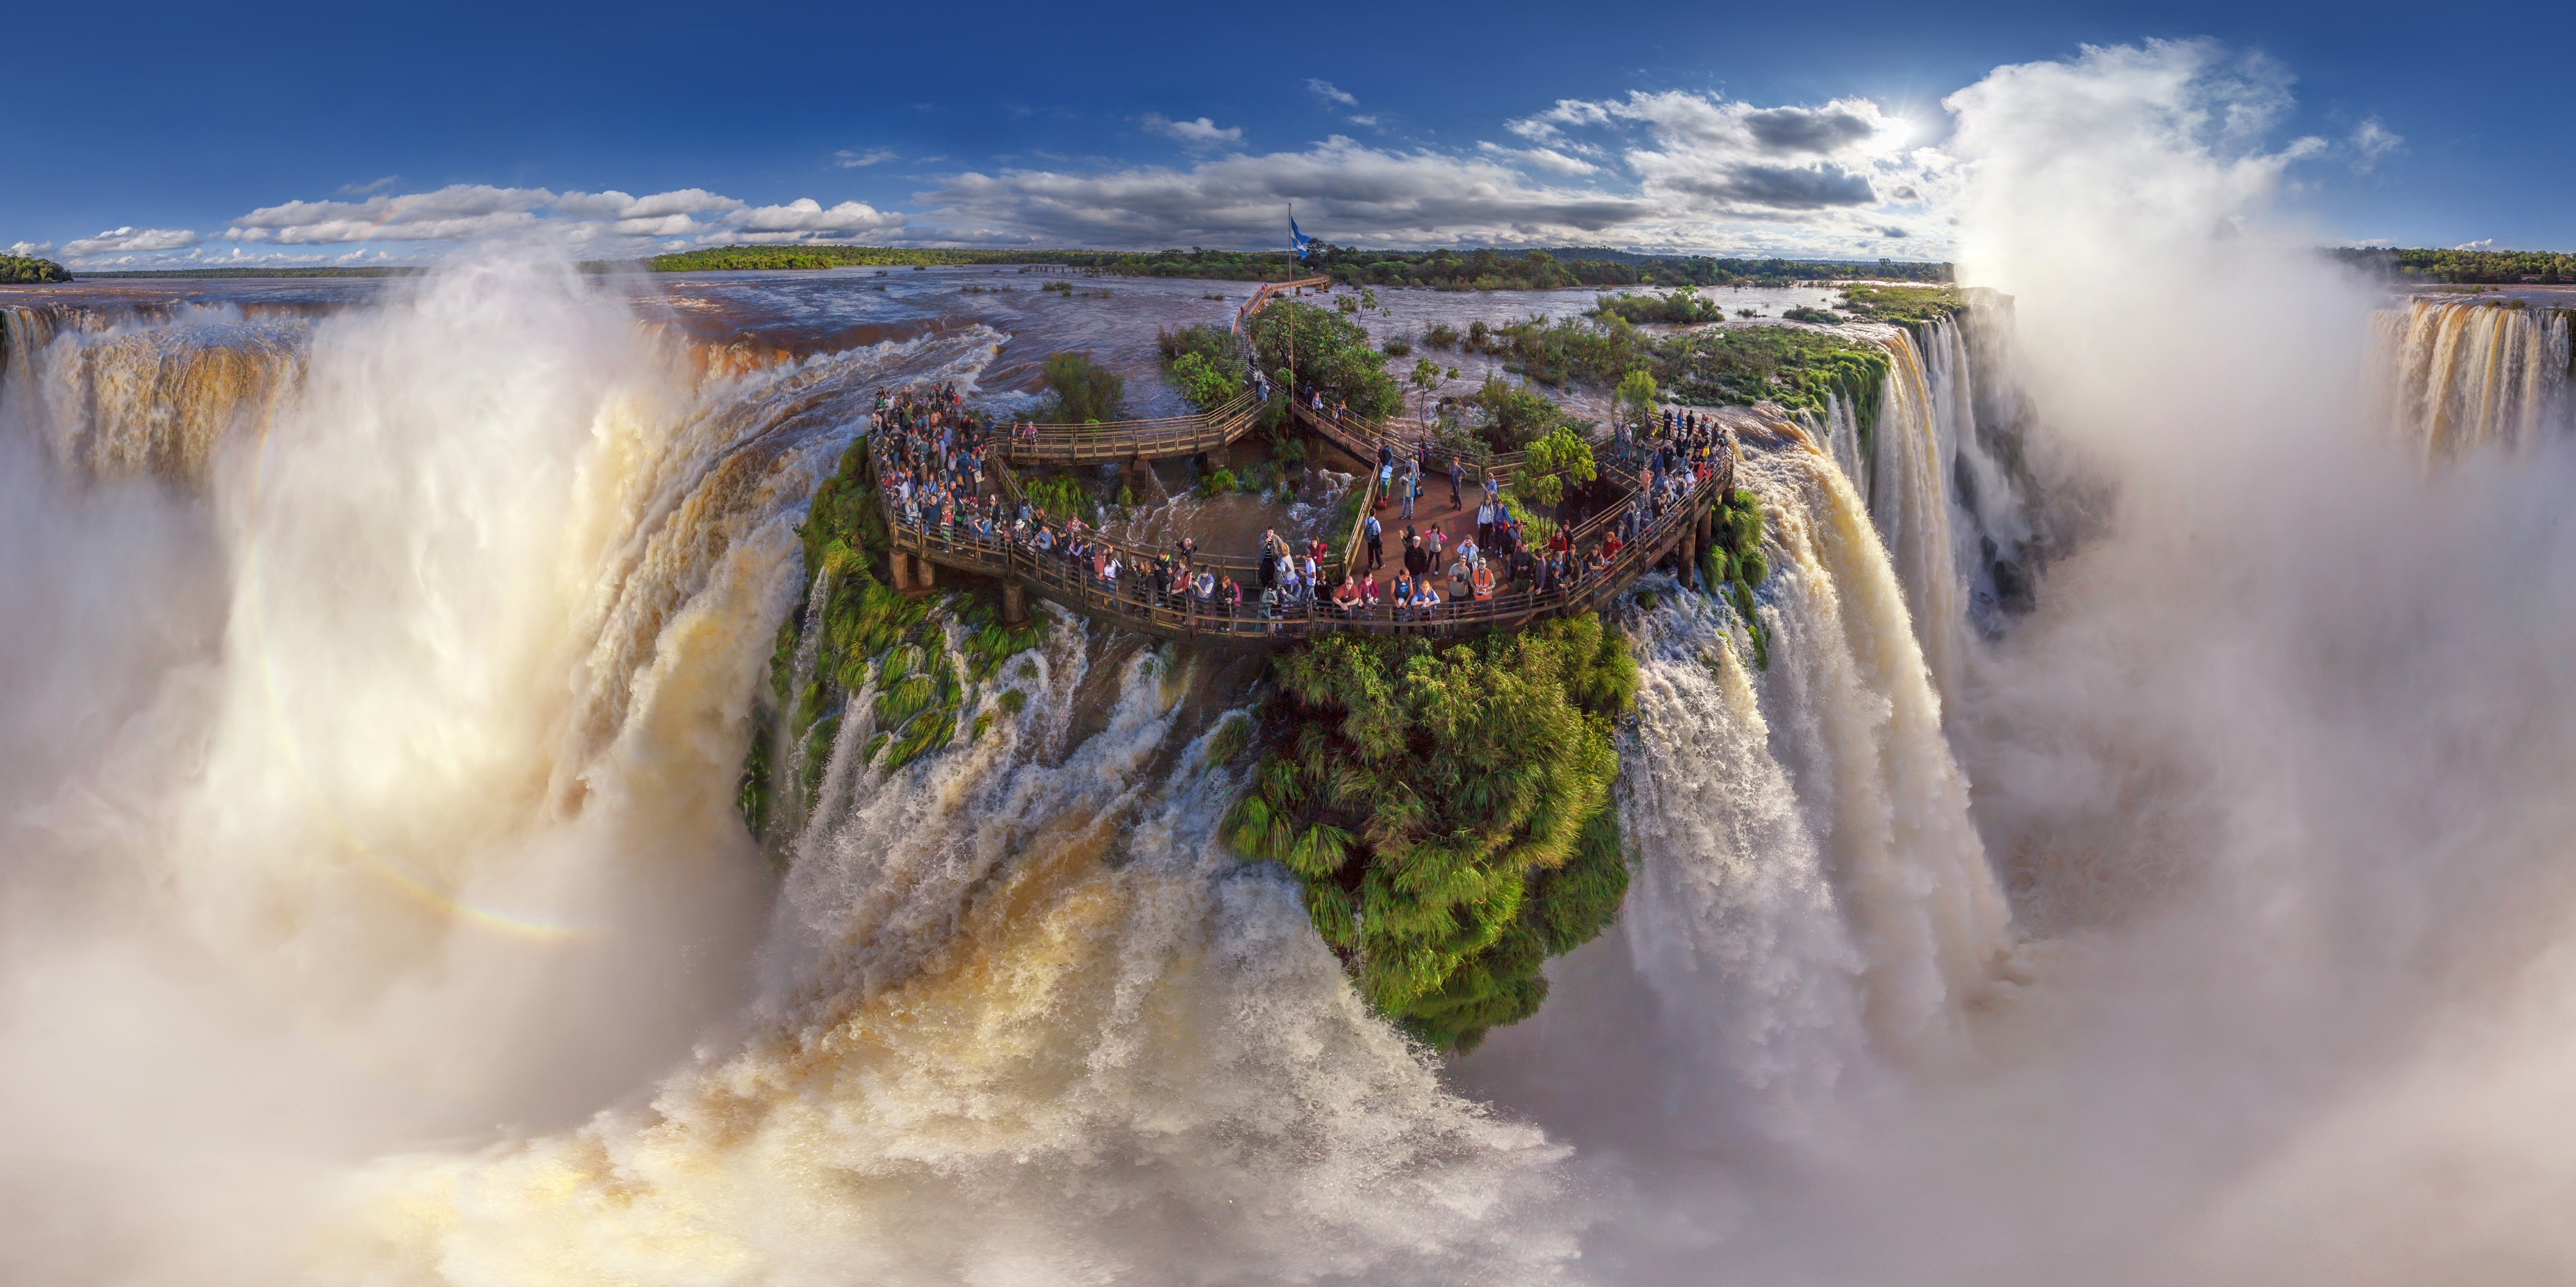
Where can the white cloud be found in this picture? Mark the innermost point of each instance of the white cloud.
(1325, 90)
(122, 240)
(1369, 121)
(805, 220)
(1345, 191)
(455, 213)
(613, 204)
(2373, 143)
(25, 249)
(849, 160)
(470, 212)
(1730, 157)
(372, 185)
(2483, 243)
(1543, 157)
(1202, 132)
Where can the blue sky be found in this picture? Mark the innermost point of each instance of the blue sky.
(148, 135)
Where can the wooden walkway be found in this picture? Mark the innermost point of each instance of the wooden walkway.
(1120, 440)
(1685, 526)
(1158, 439)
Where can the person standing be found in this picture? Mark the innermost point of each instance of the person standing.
(1376, 543)
(1457, 475)
(1485, 520)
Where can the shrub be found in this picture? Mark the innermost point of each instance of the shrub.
(1678, 307)
(1083, 390)
(1511, 418)
(1441, 335)
(1396, 346)
(1206, 384)
(1061, 495)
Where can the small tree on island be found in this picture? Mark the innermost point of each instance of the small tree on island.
(1634, 402)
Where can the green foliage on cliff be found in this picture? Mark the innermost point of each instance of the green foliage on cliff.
(1447, 810)
(1789, 365)
(1903, 305)
(1734, 566)
(864, 631)
(1331, 353)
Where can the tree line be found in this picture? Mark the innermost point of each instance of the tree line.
(23, 270)
(2490, 267)
(1484, 269)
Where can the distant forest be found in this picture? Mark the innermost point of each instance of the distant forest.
(1428, 269)
(2494, 267)
(218, 273)
(24, 269)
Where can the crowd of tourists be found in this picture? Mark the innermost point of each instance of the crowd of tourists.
(932, 459)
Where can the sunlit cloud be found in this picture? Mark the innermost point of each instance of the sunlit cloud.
(1202, 132)
(116, 240)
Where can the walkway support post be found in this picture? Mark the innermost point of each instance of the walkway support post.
(1015, 608)
(900, 565)
(922, 577)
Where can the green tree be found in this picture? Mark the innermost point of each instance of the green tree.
(1206, 384)
(1425, 381)
(1447, 810)
(1514, 417)
(1562, 456)
(1635, 400)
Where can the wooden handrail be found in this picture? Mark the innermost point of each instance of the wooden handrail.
(1131, 601)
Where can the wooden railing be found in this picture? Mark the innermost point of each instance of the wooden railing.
(1156, 439)
(1267, 292)
(1362, 438)
(1168, 436)
(1130, 600)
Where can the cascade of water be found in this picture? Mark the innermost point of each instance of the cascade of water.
(2457, 377)
(148, 395)
(1910, 497)
(1856, 724)
(1031, 1023)
(1838, 427)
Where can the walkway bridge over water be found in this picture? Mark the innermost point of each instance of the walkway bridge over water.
(1683, 525)
(1158, 439)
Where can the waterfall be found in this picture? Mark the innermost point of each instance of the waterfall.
(117, 397)
(1910, 498)
(425, 825)
(1030, 1022)
(2458, 377)
(1856, 727)
(1838, 427)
